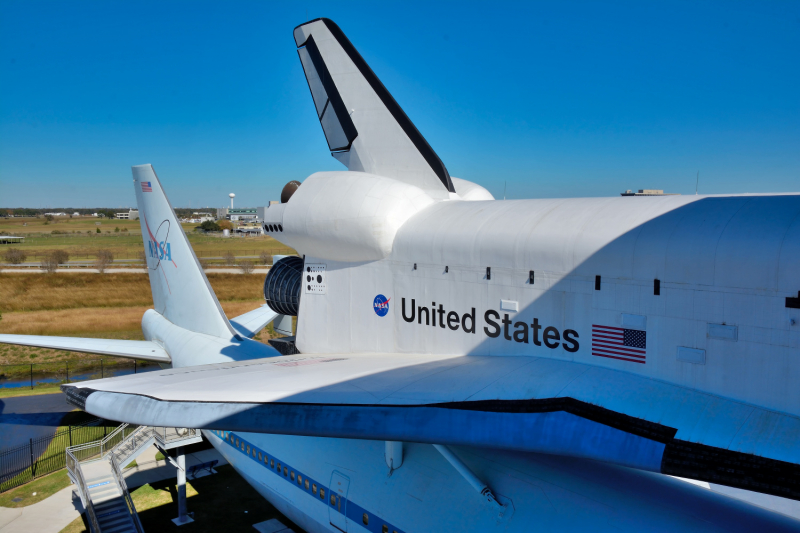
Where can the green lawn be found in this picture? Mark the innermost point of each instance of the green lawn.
(26, 391)
(35, 491)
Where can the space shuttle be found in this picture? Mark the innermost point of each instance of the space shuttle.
(467, 364)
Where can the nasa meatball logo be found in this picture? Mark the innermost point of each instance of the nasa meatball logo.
(381, 305)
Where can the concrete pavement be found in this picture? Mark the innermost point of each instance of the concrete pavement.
(50, 515)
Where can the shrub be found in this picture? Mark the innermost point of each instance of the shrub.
(98, 230)
(225, 224)
(49, 263)
(116, 230)
(60, 256)
(265, 258)
(246, 266)
(104, 258)
(15, 256)
(229, 258)
(209, 225)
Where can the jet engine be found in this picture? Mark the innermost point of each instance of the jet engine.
(282, 285)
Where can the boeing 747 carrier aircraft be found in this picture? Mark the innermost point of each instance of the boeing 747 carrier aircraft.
(464, 364)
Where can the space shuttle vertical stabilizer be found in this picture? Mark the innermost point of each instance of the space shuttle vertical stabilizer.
(365, 128)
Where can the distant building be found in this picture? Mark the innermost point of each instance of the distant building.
(649, 192)
(58, 214)
(242, 214)
(76, 214)
(131, 214)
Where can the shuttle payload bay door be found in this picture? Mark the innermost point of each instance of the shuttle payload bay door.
(337, 505)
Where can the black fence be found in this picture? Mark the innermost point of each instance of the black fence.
(45, 455)
(48, 374)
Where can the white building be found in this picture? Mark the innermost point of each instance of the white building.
(131, 214)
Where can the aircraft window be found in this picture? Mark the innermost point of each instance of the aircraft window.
(385, 529)
(248, 450)
(292, 476)
(259, 456)
(322, 493)
(306, 483)
(365, 519)
(333, 500)
(272, 463)
(266, 460)
(313, 488)
(254, 452)
(299, 480)
(280, 227)
(285, 471)
(279, 467)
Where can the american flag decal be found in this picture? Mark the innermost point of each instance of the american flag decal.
(619, 343)
(146, 186)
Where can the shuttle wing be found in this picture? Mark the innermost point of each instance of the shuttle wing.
(144, 350)
(519, 403)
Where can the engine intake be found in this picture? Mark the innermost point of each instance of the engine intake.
(282, 286)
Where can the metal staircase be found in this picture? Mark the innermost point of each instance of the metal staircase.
(96, 469)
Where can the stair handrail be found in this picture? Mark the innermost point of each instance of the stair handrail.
(165, 438)
(127, 495)
(119, 448)
(73, 468)
(108, 443)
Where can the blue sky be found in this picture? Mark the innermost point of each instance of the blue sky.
(548, 99)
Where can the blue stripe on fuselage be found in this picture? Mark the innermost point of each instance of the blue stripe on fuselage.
(354, 512)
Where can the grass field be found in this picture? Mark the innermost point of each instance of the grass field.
(89, 305)
(79, 237)
(35, 491)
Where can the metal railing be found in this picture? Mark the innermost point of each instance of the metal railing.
(74, 471)
(127, 495)
(44, 455)
(37, 374)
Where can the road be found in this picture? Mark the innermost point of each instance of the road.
(26, 417)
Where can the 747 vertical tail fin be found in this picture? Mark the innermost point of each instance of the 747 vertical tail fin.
(181, 292)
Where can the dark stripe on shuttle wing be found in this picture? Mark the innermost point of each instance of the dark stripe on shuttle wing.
(559, 426)
(391, 104)
(334, 98)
